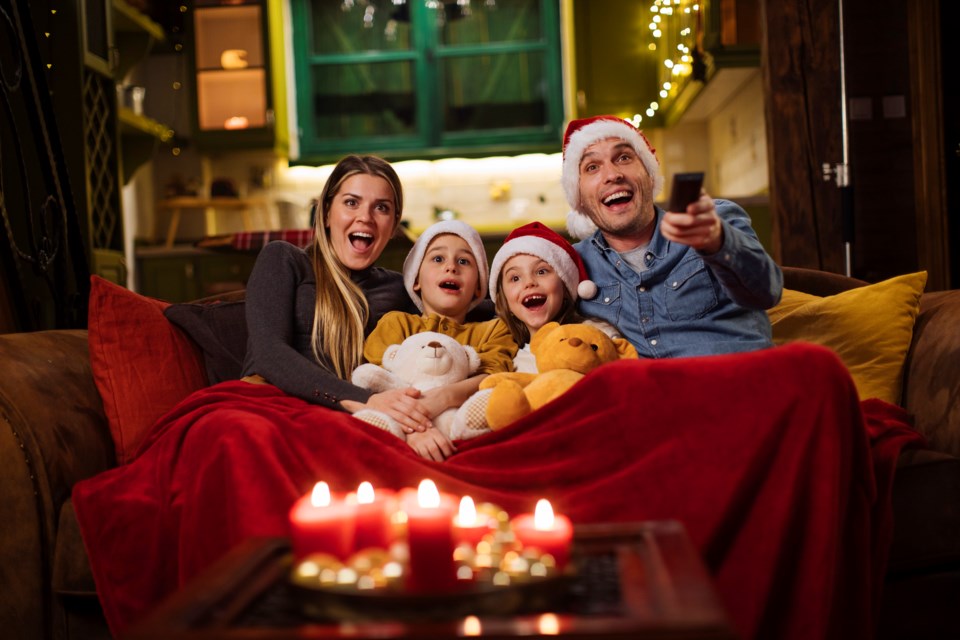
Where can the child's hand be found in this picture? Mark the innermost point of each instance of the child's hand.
(404, 406)
(431, 444)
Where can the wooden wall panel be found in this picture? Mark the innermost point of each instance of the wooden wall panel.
(800, 64)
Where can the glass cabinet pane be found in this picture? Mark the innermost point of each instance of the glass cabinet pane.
(228, 37)
(232, 99)
(230, 66)
(369, 99)
(358, 26)
(481, 22)
(503, 91)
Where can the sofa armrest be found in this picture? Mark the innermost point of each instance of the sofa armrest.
(931, 385)
(52, 434)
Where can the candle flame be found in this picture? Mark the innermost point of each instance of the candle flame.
(320, 497)
(548, 624)
(472, 626)
(365, 493)
(468, 512)
(427, 495)
(543, 516)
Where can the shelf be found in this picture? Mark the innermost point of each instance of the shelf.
(135, 34)
(139, 138)
(127, 19)
(131, 122)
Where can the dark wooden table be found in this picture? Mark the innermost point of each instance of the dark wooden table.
(633, 581)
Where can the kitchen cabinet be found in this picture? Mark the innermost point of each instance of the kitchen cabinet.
(414, 78)
(237, 75)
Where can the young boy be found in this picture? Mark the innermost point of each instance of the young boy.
(446, 275)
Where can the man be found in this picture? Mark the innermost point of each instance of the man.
(687, 283)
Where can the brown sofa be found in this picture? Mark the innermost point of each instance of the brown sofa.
(54, 434)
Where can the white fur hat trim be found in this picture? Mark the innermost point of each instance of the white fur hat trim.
(411, 265)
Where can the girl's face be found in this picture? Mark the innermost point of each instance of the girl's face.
(533, 290)
(449, 279)
(361, 220)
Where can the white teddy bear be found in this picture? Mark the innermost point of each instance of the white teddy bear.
(424, 360)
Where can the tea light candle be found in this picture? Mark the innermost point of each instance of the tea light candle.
(545, 531)
(372, 523)
(430, 540)
(321, 523)
(468, 526)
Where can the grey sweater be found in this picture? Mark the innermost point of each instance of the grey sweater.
(280, 303)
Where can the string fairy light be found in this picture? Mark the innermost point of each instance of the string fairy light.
(671, 34)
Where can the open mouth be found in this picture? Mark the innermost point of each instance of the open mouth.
(619, 197)
(450, 285)
(361, 240)
(534, 301)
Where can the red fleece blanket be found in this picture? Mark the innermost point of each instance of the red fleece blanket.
(781, 476)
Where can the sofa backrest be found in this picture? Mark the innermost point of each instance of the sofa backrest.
(931, 376)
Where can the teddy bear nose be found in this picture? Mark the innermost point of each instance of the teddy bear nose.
(575, 342)
(433, 344)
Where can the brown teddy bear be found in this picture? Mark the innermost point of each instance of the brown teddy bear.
(564, 354)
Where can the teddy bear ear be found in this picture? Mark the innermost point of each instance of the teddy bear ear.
(625, 349)
(390, 353)
(473, 358)
(541, 334)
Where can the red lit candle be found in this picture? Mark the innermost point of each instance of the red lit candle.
(468, 527)
(372, 524)
(430, 538)
(547, 532)
(321, 523)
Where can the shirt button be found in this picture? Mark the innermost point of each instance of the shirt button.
(645, 320)
(726, 257)
(619, 263)
(674, 285)
(606, 299)
(642, 289)
(653, 342)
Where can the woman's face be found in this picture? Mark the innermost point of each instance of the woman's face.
(533, 290)
(361, 220)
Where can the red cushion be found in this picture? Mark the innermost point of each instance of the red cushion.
(142, 364)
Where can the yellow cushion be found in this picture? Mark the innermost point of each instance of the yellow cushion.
(870, 328)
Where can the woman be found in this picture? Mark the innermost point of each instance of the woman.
(308, 311)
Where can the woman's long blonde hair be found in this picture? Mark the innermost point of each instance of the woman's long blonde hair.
(342, 310)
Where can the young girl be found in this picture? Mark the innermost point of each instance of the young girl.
(445, 274)
(536, 278)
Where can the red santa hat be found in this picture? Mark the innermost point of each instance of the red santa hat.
(411, 265)
(538, 240)
(582, 133)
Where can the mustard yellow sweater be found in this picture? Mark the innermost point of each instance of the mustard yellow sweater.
(491, 338)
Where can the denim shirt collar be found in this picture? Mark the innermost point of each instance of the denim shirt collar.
(658, 246)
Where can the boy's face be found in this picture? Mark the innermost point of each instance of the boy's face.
(533, 290)
(448, 280)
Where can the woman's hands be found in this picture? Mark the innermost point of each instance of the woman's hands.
(403, 405)
(431, 444)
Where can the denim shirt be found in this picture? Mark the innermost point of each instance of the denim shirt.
(687, 303)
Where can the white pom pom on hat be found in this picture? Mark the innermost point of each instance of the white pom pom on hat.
(411, 265)
(537, 239)
(582, 133)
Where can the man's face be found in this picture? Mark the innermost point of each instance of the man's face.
(616, 192)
